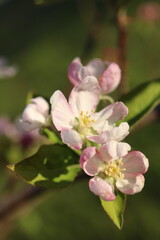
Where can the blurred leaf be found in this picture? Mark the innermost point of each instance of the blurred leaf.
(141, 101)
(51, 166)
(50, 135)
(115, 209)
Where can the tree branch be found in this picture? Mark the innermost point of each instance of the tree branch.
(11, 206)
(121, 23)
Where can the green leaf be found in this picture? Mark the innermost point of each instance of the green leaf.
(50, 135)
(52, 166)
(141, 101)
(54, 138)
(115, 209)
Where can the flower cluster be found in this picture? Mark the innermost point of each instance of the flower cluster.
(105, 157)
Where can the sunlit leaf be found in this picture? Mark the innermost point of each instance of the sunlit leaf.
(115, 209)
(52, 166)
(142, 101)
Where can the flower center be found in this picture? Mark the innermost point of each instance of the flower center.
(85, 119)
(83, 124)
(114, 169)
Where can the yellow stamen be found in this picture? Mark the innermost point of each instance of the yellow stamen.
(113, 169)
(85, 119)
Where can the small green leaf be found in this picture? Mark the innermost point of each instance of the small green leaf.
(29, 97)
(52, 166)
(115, 209)
(141, 101)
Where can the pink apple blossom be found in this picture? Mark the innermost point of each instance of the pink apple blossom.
(35, 114)
(108, 74)
(124, 172)
(77, 119)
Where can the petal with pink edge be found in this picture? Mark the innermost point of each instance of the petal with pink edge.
(131, 183)
(135, 162)
(119, 112)
(87, 154)
(93, 166)
(110, 79)
(61, 112)
(102, 188)
(71, 138)
(85, 97)
(96, 67)
(100, 139)
(76, 72)
(117, 149)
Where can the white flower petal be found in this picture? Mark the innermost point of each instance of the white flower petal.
(114, 133)
(85, 96)
(101, 118)
(102, 188)
(93, 166)
(61, 112)
(117, 133)
(100, 139)
(135, 162)
(131, 183)
(30, 114)
(117, 149)
(35, 114)
(71, 138)
(104, 154)
(119, 112)
(87, 154)
(96, 67)
(41, 105)
(76, 72)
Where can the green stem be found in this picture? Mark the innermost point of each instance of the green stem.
(107, 98)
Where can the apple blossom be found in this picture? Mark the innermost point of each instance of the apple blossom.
(77, 119)
(124, 172)
(35, 114)
(108, 74)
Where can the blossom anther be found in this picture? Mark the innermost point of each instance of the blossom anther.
(85, 119)
(114, 170)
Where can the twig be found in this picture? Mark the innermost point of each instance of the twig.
(121, 23)
(10, 207)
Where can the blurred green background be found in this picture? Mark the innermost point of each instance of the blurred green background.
(42, 37)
